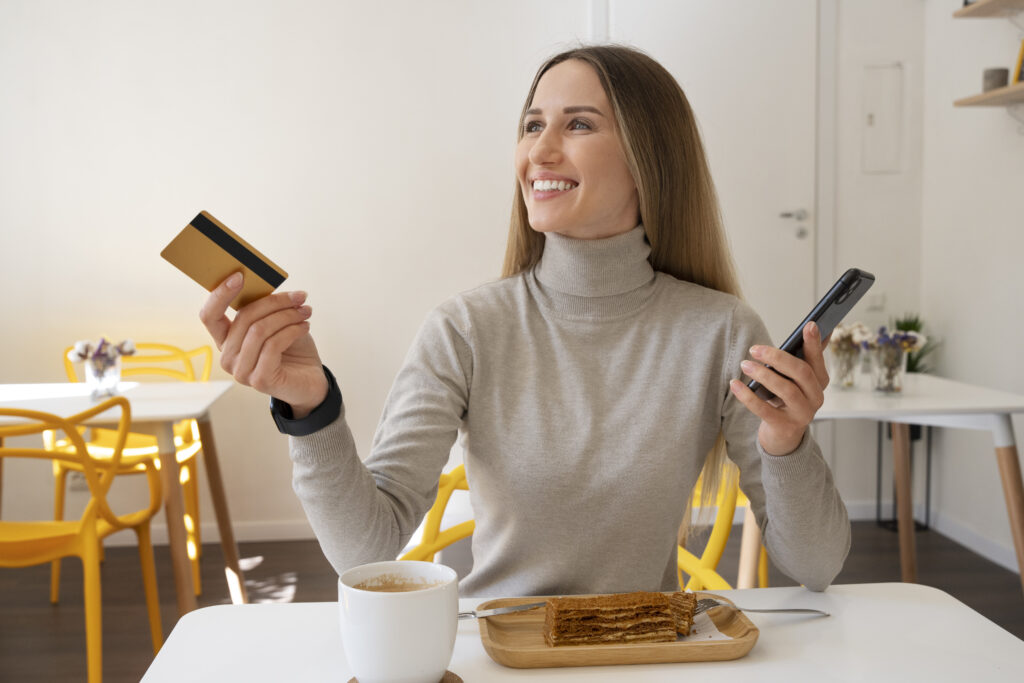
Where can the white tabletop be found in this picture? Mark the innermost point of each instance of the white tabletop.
(922, 395)
(877, 632)
(151, 401)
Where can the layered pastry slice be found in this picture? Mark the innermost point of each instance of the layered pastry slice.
(620, 618)
(682, 606)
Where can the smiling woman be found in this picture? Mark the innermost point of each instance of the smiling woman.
(591, 384)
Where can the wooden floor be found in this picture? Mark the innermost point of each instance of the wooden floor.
(44, 642)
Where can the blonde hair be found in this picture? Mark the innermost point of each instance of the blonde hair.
(678, 203)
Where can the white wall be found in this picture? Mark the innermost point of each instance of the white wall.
(971, 246)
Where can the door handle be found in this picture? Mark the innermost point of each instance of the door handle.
(797, 215)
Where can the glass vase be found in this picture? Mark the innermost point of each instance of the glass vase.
(845, 366)
(102, 375)
(890, 365)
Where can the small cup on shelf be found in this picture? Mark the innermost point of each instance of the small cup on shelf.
(995, 78)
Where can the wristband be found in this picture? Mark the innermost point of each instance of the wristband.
(323, 415)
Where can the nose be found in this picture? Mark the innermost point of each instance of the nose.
(547, 148)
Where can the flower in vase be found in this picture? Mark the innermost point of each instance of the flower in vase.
(890, 349)
(845, 347)
(101, 361)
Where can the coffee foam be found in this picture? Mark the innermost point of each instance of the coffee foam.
(396, 583)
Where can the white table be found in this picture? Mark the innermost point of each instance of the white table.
(155, 407)
(925, 400)
(877, 632)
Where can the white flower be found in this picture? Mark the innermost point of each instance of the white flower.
(81, 350)
(860, 333)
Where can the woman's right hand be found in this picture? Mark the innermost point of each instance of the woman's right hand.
(268, 346)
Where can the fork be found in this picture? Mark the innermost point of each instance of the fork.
(704, 604)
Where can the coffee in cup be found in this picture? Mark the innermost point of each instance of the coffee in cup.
(395, 583)
(398, 620)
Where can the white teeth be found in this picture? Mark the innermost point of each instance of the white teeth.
(551, 185)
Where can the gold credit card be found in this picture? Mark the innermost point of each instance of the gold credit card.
(208, 252)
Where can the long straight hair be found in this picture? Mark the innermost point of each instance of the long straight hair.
(678, 204)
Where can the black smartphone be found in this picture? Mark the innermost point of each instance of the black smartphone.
(828, 313)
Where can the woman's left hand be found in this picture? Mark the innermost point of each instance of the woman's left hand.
(801, 391)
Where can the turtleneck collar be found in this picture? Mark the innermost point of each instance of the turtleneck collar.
(595, 268)
(595, 278)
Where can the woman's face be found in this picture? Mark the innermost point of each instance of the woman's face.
(570, 162)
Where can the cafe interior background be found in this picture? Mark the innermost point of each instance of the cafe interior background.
(367, 148)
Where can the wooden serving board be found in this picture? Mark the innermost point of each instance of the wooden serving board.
(517, 640)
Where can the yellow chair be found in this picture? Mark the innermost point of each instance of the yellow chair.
(161, 361)
(24, 544)
(434, 539)
(702, 570)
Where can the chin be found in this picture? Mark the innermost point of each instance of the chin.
(547, 225)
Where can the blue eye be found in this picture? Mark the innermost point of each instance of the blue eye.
(580, 124)
(532, 127)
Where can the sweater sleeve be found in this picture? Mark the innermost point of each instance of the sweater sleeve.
(366, 512)
(802, 518)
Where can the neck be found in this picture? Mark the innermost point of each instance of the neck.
(595, 268)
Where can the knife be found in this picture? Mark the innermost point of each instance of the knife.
(472, 614)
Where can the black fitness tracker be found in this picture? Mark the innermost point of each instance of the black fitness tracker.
(323, 415)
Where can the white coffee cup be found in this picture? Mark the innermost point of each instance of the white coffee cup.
(398, 636)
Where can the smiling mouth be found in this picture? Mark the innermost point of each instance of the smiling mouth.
(553, 185)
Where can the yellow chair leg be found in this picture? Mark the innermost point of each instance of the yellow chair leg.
(191, 500)
(60, 478)
(149, 584)
(93, 612)
(762, 569)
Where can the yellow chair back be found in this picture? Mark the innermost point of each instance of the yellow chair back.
(158, 360)
(434, 539)
(98, 477)
(702, 571)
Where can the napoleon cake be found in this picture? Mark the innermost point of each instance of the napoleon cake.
(621, 618)
(682, 606)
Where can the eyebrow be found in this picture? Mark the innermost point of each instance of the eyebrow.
(569, 110)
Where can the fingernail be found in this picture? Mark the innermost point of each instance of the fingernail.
(297, 297)
(747, 366)
(813, 326)
(235, 281)
(755, 351)
(734, 386)
(305, 310)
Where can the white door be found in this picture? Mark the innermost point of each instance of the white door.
(749, 71)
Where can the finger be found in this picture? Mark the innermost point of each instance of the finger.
(795, 369)
(213, 313)
(248, 315)
(784, 388)
(753, 403)
(257, 335)
(814, 353)
(264, 376)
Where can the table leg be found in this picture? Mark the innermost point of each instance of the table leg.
(750, 551)
(1013, 490)
(174, 511)
(904, 501)
(232, 570)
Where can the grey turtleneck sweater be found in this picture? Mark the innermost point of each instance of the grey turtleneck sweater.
(587, 391)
